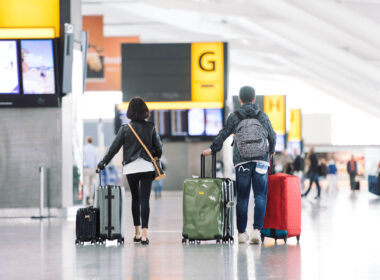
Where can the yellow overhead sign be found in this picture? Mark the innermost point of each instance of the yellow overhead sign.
(34, 14)
(178, 105)
(295, 133)
(207, 72)
(274, 107)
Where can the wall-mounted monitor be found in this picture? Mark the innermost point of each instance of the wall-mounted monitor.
(196, 119)
(28, 73)
(280, 143)
(9, 74)
(194, 124)
(38, 72)
(214, 121)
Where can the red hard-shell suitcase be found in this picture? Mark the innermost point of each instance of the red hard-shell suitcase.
(283, 210)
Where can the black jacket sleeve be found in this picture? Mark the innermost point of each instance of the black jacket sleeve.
(157, 144)
(115, 146)
(223, 134)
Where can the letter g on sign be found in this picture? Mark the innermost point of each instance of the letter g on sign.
(209, 62)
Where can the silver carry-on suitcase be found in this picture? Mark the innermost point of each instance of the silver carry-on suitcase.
(110, 201)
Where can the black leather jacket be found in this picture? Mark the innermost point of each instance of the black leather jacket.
(132, 148)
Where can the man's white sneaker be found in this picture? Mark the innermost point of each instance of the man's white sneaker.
(243, 237)
(255, 237)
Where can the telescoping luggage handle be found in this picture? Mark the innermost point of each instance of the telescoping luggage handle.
(213, 174)
(100, 176)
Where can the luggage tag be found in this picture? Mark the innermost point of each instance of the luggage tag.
(261, 168)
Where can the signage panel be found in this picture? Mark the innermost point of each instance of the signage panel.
(295, 125)
(207, 72)
(274, 107)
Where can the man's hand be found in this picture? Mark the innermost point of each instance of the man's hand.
(207, 152)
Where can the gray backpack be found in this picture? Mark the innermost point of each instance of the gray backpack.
(251, 137)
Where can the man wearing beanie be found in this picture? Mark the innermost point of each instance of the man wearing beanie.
(251, 166)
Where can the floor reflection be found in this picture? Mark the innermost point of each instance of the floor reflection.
(330, 244)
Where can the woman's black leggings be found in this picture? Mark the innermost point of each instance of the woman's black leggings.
(140, 196)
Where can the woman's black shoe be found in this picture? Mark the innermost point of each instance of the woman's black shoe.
(136, 240)
(146, 242)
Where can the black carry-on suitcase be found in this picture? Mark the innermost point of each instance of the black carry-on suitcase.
(87, 225)
(110, 201)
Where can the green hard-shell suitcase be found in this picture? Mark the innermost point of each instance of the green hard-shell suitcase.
(208, 207)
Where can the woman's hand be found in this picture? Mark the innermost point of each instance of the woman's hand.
(101, 165)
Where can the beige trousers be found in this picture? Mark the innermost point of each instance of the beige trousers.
(89, 175)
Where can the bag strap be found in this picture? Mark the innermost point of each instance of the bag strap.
(145, 148)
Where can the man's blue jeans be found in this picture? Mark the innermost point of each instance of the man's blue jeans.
(247, 175)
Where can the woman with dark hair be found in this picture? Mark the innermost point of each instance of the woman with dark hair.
(137, 165)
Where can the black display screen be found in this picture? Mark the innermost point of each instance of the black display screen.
(156, 72)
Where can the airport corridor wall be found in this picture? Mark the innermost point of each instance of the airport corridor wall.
(183, 161)
(30, 138)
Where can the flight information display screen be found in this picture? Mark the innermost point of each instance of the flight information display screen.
(214, 121)
(37, 61)
(9, 79)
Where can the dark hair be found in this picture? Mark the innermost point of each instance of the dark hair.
(137, 109)
(247, 94)
(89, 139)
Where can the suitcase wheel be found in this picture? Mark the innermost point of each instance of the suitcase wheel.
(184, 240)
(198, 242)
(262, 238)
(218, 241)
(298, 238)
(231, 240)
(93, 242)
(285, 238)
(76, 241)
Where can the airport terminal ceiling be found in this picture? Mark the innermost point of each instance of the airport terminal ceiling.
(330, 45)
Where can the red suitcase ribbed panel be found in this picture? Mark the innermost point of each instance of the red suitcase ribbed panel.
(283, 211)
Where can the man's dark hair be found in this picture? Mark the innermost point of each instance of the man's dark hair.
(137, 109)
(247, 94)
(89, 139)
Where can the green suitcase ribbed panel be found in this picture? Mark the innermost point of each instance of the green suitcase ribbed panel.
(202, 208)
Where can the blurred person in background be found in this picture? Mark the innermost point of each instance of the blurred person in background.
(288, 163)
(322, 169)
(332, 174)
(378, 170)
(313, 173)
(299, 167)
(90, 161)
(352, 169)
(110, 175)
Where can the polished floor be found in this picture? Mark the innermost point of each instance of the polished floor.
(340, 240)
